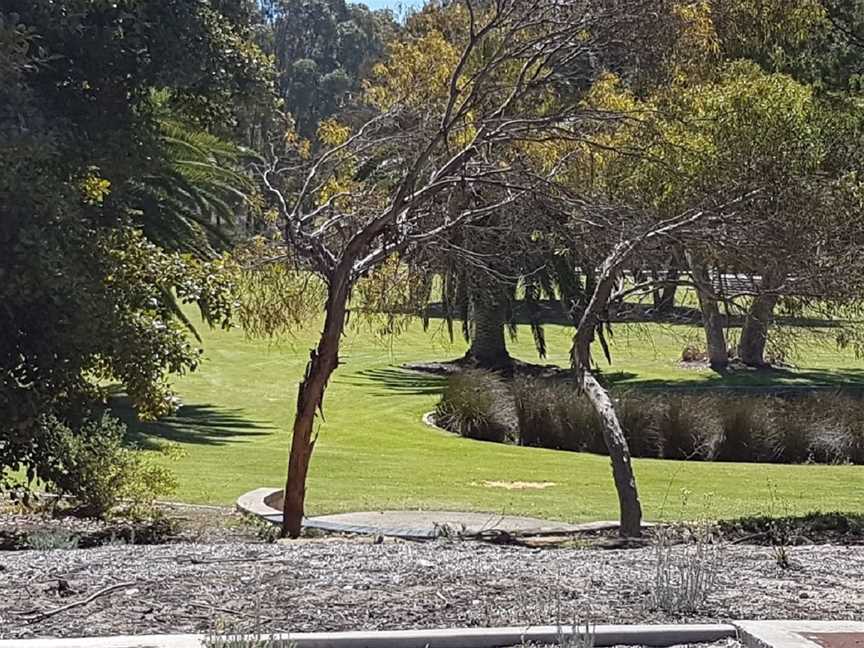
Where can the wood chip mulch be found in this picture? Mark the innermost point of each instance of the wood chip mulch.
(342, 584)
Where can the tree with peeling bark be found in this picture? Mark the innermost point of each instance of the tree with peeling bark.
(379, 192)
(644, 237)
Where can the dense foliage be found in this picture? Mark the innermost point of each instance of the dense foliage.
(323, 49)
(97, 100)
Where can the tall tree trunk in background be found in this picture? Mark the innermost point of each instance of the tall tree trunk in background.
(613, 435)
(664, 295)
(310, 397)
(754, 334)
(488, 318)
(712, 320)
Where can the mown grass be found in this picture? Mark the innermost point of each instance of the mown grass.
(374, 453)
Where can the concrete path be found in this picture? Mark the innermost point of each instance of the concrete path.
(802, 634)
(265, 503)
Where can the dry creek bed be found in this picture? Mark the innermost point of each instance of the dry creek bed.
(353, 584)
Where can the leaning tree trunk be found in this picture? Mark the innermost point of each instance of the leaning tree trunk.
(754, 334)
(613, 435)
(489, 318)
(712, 320)
(622, 467)
(310, 397)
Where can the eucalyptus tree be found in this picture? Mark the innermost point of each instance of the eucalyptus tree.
(323, 50)
(380, 191)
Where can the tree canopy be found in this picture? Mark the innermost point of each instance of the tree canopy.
(98, 168)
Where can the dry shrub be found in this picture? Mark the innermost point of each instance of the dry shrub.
(839, 436)
(554, 414)
(640, 416)
(794, 432)
(748, 426)
(689, 427)
(478, 405)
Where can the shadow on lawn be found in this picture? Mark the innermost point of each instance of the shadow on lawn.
(767, 380)
(399, 381)
(197, 424)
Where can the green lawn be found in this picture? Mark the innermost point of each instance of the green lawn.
(374, 453)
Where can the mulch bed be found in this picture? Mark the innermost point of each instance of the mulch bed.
(342, 583)
(180, 523)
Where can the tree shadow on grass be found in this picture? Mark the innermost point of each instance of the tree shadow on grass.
(202, 424)
(399, 381)
(551, 312)
(763, 380)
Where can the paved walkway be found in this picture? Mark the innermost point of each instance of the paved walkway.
(265, 502)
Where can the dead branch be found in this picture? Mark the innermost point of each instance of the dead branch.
(41, 616)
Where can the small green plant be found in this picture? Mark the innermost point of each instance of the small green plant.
(103, 475)
(446, 531)
(264, 530)
(780, 528)
(52, 539)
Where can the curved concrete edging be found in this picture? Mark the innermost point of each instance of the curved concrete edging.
(264, 503)
(659, 636)
(429, 420)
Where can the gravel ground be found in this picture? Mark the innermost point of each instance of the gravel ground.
(341, 584)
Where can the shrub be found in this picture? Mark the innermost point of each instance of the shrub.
(640, 416)
(52, 539)
(840, 430)
(581, 427)
(478, 405)
(95, 468)
(747, 429)
(553, 414)
(684, 576)
(793, 434)
(534, 407)
(689, 427)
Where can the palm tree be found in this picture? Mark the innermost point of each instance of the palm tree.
(191, 204)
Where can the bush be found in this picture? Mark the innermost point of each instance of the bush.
(478, 405)
(580, 422)
(553, 414)
(640, 417)
(689, 427)
(793, 434)
(747, 429)
(840, 430)
(95, 468)
(687, 574)
(52, 539)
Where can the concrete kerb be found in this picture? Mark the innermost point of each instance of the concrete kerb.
(604, 636)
